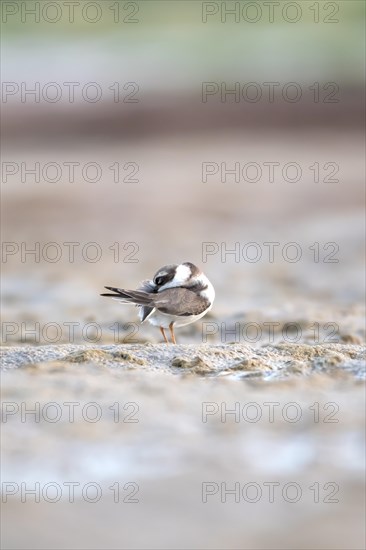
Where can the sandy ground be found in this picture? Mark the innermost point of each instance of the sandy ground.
(282, 349)
(181, 425)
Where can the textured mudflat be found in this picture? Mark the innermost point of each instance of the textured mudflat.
(169, 419)
(236, 359)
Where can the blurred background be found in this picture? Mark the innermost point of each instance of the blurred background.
(122, 124)
(121, 131)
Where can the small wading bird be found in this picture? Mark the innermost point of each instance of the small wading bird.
(178, 295)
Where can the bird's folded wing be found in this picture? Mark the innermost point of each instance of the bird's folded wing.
(180, 301)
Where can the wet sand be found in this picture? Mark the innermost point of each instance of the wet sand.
(223, 406)
(176, 421)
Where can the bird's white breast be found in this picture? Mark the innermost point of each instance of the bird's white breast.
(209, 292)
(159, 319)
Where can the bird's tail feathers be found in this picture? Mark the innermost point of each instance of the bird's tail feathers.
(138, 297)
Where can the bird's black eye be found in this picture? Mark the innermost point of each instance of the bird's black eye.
(163, 277)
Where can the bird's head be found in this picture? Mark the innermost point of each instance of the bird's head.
(176, 275)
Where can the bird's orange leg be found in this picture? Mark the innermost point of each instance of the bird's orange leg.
(171, 328)
(163, 333)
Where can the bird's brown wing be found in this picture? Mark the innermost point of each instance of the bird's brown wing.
(173, 301)
(179, 301)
